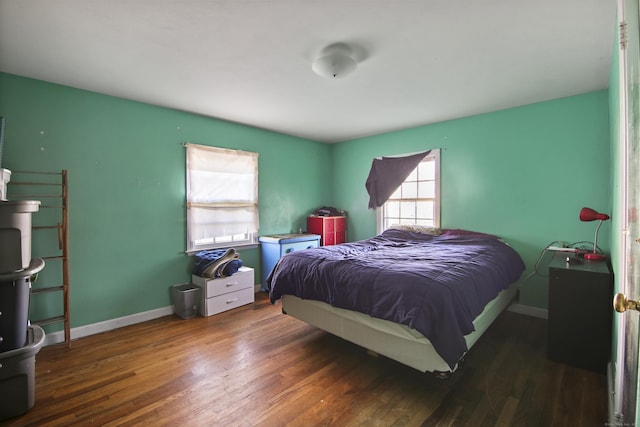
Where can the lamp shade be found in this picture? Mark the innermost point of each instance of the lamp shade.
(335, 61)
(588, 214)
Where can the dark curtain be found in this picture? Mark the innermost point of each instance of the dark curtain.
(386, 175)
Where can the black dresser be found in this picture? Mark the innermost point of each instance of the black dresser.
(580, 312)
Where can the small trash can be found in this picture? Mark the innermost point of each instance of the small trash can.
(186, 300)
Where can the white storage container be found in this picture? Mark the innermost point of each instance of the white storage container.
(5, 177)
(15, 234)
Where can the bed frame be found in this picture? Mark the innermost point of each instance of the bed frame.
(395, 341)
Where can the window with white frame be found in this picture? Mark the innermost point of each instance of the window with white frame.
(417, 200)
(222, 197)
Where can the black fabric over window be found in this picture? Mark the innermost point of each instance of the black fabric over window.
(386, 175)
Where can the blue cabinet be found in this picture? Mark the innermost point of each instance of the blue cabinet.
(277, 245)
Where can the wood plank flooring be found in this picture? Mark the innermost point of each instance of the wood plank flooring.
(254, 366)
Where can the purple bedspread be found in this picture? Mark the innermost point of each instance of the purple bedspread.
(435, 284)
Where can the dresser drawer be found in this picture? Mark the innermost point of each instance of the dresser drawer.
(228, 301)
(329, 239)
(287, 248)
(213, 287)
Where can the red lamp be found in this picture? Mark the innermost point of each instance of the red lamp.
(588, 214)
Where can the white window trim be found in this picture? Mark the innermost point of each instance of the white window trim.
(210, 199)
(433, 154)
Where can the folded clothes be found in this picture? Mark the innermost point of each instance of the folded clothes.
(216, 263)
(232, 267)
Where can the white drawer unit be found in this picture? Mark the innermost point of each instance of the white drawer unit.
(225, 293)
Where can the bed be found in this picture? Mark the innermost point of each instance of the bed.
(419, 296)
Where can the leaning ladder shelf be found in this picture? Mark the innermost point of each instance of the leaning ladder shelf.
(52, 189)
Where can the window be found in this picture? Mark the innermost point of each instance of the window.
(222, 197)
(417, 200)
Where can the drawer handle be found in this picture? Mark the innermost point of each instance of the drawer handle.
(231, 284)
(229, 301)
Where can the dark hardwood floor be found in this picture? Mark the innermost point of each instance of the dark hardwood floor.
(254, 366)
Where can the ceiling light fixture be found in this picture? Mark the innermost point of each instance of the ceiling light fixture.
(335, 61)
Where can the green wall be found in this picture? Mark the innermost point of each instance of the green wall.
(523, 174)
(126, 168)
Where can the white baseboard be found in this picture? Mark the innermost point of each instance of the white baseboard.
(528, 310)
(109, 325)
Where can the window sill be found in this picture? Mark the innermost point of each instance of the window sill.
(236, 247)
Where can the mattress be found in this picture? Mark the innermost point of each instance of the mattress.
(393, 340)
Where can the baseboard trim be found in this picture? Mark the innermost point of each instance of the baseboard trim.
(528, 310)
(109, 325)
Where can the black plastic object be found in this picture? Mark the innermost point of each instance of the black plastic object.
(14, 313)
(15, 294)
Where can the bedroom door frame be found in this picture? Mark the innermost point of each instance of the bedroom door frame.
(625, 402)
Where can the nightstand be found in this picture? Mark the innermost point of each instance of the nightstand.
(580, 312)
(225, 293)
(275, 246)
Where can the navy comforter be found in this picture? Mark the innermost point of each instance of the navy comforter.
(435, 284)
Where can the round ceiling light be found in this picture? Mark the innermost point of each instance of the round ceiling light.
(335, 61)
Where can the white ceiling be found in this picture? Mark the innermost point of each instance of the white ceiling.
(249, 61)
